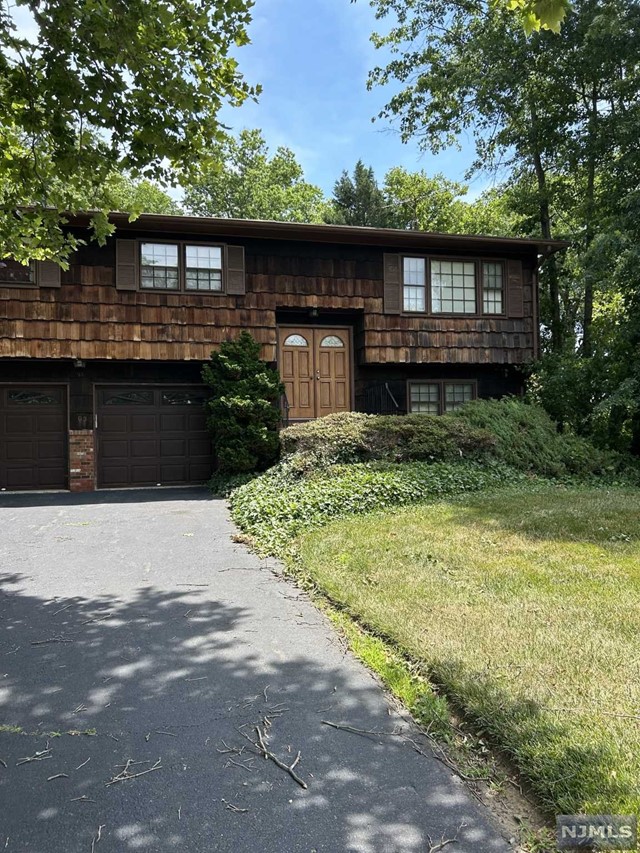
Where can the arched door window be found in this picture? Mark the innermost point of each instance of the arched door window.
(332, 341)
(296, 341)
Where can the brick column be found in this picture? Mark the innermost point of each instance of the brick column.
(81, 460)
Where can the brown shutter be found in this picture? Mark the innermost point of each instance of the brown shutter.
(515, 295)
(392, 284)
(236, 278)
(126, 265)
(47, 274)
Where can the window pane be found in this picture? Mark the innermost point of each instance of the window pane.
(492, 288)
(27, 397)
(453, 287)
(296, 341)
(203, 268)
(425, 398)
(159, 266)
(414, 284)
(128, 398)
(14, 273)
(456, 394)
(184, 398)
(331, 341)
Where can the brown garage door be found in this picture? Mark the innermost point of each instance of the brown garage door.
(33, 438)
(152, 437)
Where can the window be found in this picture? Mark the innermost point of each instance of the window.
(332, 341)
(425, 398)
(27, 397)
(159, 266)
(414, 287)
(180, 266)
(456, 394)
(492, 287)
(453, 287)
(11, 272)
(203, 268)
(474, 288)
(128, 398)
(184, 398)
(438, 397)
(296, 341)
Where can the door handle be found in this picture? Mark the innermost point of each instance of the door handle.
(317, 374)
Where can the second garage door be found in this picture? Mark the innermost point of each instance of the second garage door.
(150, 436)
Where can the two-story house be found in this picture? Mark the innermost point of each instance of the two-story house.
(100, 365)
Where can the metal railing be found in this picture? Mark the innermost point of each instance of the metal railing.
(284, 411)
(378, 399)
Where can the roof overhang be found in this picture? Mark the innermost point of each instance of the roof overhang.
(345, 234)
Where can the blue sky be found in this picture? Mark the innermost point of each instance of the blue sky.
(312, 58)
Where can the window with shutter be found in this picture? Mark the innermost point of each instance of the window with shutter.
(179, 266)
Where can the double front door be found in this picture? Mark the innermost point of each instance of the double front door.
(315, 366)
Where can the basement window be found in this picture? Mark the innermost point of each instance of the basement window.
(439, 397)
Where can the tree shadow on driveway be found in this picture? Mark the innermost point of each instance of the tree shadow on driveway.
(173, 676)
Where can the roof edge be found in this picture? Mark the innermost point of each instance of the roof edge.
(311, 232)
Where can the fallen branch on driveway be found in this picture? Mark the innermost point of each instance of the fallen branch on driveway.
(38, 756)
(124, 774)
(261, 747)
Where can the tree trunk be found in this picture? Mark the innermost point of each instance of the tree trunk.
(587, 321)
(557, 337)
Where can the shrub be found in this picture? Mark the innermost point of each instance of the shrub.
(355, 437)
(527, 438)
(243, 417)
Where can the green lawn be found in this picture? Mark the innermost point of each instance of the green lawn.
(526, 610)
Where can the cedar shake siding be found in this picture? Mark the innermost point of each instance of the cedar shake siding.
(88, 317)
(107, 373)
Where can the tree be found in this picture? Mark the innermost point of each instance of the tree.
(244, 181)
(136, 197)
(243, 414)
(549, 106)
(538, 15)
(358, 200)
(414, 200)
(106, 86)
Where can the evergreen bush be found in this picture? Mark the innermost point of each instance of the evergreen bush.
(243, 413)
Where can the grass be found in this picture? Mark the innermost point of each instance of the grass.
(525, 610)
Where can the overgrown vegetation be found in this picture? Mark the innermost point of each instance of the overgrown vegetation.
(528, 439)
(243, 415)
(510, 431)
(356, 437)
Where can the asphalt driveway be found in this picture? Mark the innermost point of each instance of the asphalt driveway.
(137, 638)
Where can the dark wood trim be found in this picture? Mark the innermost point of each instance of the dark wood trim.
(535, 298)
(477, 262)
(441, 383)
